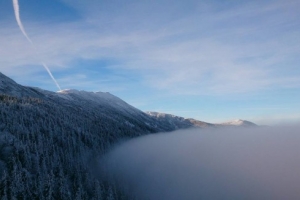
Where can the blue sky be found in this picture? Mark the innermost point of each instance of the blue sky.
(210, 60)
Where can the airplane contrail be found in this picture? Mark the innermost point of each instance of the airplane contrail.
(17, 14)
(18, 19)
(49, 72)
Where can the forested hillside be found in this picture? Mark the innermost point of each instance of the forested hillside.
(50, 142)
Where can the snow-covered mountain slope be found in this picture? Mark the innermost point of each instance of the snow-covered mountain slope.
(201, 124)
(99, 98)
(239, 122)
(178, 122)
(171, 121)
(50, 141)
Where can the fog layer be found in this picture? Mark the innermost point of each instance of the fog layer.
(258, 163)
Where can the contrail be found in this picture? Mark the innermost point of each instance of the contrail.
(18, 19)
(49, 72)
(17, 14)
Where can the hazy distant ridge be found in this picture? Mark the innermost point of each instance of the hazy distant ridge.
(181, 122)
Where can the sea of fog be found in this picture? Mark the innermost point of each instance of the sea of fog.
(240, 163)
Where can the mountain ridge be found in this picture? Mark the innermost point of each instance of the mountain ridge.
(170, 118)
(50, 142)
(239, 122)
(10, 87)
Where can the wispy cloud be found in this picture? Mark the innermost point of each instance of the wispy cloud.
(213, 50)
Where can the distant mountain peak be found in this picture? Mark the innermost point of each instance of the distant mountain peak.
(239, 122)
(190, 122)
